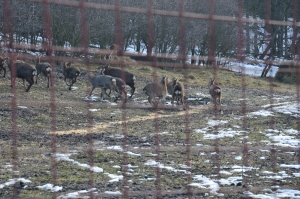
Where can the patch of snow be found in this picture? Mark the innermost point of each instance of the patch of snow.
(50, 187)
(65, 157)
(114, 178)
(113, 192)
(22, 107)
(115, 148)
(263, 113)
(296, 166)
(94, 109)
(234, 180)
(13, 181)
(76, 194)
(216, 122)
(131, 153)
(222, 134)
(205, 183)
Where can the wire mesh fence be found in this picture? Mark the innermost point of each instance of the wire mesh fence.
(236, 138)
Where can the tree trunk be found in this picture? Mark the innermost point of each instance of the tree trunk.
(266, 70)
(193, 53)
(248, 39)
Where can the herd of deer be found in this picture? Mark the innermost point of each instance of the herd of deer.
(107, 78)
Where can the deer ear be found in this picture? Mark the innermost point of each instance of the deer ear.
(69, 64)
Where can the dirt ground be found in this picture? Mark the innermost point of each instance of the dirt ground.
(167, 135)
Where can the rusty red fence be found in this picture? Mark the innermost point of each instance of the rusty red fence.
(188, 150)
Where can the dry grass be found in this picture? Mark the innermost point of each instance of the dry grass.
(77, 128)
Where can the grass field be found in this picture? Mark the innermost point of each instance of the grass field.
(247, 147)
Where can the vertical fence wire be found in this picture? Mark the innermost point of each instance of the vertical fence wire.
(84, 44)
(151, 39)
(183, 58)
(296, 57)
(150, 49)
(119, 41)
(240, 48)
(271, 91)
(47, 46)
(212, 61)
(8, 30)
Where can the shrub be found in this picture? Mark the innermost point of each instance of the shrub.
(288, 77)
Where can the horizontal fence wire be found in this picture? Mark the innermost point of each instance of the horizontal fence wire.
(12, 105)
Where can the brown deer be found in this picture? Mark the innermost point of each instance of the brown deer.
(215, 91)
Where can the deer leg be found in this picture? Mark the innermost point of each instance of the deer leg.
(150, 99)
(91, 92)
(132, 91)
(105, 89)
(73, 81)
(36, 79)
(24, 83)
(48, 80)
(70, 87)
(102, 93)
(51, 78)
(30, 81)
(13, 81)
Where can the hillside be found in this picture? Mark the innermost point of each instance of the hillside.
(100, 147)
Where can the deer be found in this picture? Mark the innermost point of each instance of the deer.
(156, 89)
(23, 71)
(70, 73)
(178, 92)
(2, 65)
(43, 68)
(105, 82)
(215, 91)
(128, 77)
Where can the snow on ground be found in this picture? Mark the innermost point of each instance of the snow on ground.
(253, 70)
(284, 137)
(11, 182)
(50, 187)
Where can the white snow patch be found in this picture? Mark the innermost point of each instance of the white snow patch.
(216, 122)
(131, 153)
(22, 107)
(263, 113)
(115, 148)
(296, 166)
(13, 181)
(50, 187)
(206, 183)
(76, 194)
(113, 192)
(65, 157)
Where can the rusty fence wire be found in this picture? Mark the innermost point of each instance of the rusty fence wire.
(14, 148)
